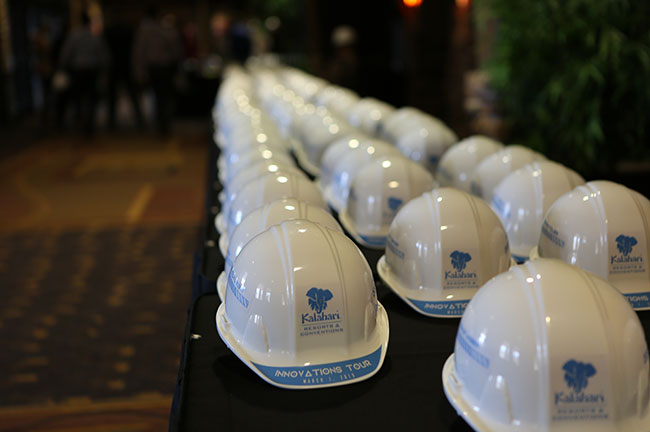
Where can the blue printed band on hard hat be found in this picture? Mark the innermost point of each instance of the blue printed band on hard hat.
(519, 259)
(319, 374)
(374, 240)
(437, 308)
(639, 300)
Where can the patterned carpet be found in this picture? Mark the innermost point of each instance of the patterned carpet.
(92, 313)
(96, 247)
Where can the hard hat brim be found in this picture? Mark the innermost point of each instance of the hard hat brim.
(304, 161)
(452, 388)
(371, 241)
(220, 223)
(447, 308)
(223, 244)
(365, 362)
(221, 286)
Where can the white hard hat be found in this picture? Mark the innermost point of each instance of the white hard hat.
(250, 157)
(495, 167)
(259, 220)
(603, 227)
(247, 175)
(523, 197)
(377, 193)
(441, 248)
(301, 308)
(398, 122)
(270, 188)
(426, 142)
(336, 191)
(251, 139)
(335, 151)
(318, 132)
(549, 347)
(458, 163)
(368, 113)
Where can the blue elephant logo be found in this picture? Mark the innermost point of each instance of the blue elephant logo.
(577, 374)
(625, 244)
(394, 203)
(318, 299)
(460, 259)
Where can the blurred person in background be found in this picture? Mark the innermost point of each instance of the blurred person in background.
(156, 54)
(42, 42)
(119, 37)
(85, 58)
(343, 66)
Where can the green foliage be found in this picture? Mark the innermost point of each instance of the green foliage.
(573, 77)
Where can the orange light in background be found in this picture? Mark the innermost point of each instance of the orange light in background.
(462, 4)
(412, 3)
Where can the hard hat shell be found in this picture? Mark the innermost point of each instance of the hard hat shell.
(399, 121)
(523, 197)
(335, 151)
(317, 134)
(252, 173)
(441, 248)
(270, 188)
(458, 163)
(336, 192)
(377, 192)
(427, 142)
(603, 227)
(250, 157)
(252, 139)
(368, 113)
(495, 167)
(259, 220)
(255, 170)
(547, 346)
(301, 308)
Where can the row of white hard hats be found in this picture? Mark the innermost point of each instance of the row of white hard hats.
(299, 301)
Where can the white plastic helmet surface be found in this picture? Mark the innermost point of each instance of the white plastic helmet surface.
(378, 191)
(337, 190)
(441, 248)
(368, 113)
(426, 142)
(548, 347)
(247, 175)
(603, 227)
(301, 308)
(399, 121)
(259, 220)
(458, 163)
(251, 157)
(523, 197)
(335, 151)
(269, 188)
(317, 134)
(494, 168)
